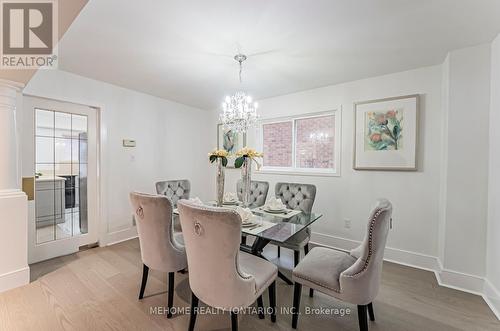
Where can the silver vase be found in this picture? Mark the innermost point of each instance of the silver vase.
(246, 177)
(219, 181)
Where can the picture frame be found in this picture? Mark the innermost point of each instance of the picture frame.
(230, 142)
(386, 134)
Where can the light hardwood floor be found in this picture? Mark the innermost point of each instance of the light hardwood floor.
(97, 289)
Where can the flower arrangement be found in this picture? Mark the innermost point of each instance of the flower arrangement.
(244, 153)
(218, 153)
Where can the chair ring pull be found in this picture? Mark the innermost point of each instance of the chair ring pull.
(198, 229)
(140, 212)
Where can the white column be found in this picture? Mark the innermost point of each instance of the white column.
(14, 270)
(8, 136)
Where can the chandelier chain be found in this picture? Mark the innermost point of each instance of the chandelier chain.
(239, 113)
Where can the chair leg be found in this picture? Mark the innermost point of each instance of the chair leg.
(363, 318)
(145, 271)
(194, 310)
(260, 305)
(170, 301)
(306, 249)
(279, 251)
(296, 258)
(370, 312)
(296, 304)
(272, 301)
(234, 321)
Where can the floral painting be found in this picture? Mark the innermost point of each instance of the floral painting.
(230, 141)
(386, 134)
(384, 130)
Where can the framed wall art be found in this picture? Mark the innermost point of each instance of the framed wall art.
(230, 141)
(386, 134)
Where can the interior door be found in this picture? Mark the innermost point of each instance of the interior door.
(60, 152)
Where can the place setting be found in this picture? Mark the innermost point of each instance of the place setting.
(231, 199)
(252, 224)
(277, 208)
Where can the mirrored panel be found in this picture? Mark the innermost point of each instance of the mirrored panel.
(44, 123)
(79, 127)
(44, 149)
(62, 127)
(63, 152)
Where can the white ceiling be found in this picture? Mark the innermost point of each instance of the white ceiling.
(182, 50)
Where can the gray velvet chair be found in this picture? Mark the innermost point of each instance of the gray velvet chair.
(174, 189)
(351, 277)
(161, 248)
(299, 197)
(258, 192)
(258, 196)
(219, 274)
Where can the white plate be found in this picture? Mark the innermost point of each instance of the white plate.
(247, 224)
(272, 210)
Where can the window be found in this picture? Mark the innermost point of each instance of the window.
(302, 144)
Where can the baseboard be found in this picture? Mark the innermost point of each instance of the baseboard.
(459, 280)
(448, 278)
(399, 256)
(492, 297)
(119, 236)
(14, 279)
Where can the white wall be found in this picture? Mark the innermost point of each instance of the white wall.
(167, 135)
(492, 285)
(466, 171)
(415, 195)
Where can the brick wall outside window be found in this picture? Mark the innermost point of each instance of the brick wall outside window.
(277, 141)
(315, 142)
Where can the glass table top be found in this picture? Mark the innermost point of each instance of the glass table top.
(283, 228)
(275, 227)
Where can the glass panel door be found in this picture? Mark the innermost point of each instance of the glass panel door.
(61, 175)
(62, 155)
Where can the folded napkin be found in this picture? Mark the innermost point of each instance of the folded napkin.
(274, 203)
(230, 196)
(196, 201)
(245, 213)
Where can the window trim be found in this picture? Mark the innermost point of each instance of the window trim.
(293, 170)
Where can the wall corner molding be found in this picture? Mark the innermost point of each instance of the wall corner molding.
(492, 297)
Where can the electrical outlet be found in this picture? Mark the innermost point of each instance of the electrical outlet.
(347, 223)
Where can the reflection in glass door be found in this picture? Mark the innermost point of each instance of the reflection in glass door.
(61, 162)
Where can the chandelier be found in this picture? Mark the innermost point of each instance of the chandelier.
(238, 112)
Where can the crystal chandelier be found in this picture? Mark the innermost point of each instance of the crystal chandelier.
(238, 112)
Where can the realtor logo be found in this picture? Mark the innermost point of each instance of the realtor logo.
(29, 33)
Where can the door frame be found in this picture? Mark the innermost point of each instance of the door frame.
(98, 235)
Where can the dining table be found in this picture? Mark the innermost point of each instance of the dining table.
(276, 226)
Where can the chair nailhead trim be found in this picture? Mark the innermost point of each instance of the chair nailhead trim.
(319, 284)
(370, 244)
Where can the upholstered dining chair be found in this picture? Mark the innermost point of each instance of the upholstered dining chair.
(161, 248)
(219, 274)
(258, 192)
(258, 196)
(174, 189)
(299, 197)
(351, 277)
